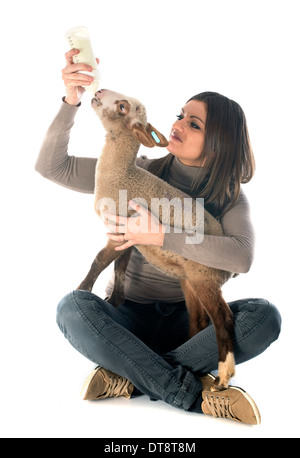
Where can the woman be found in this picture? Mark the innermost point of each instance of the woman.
(142, 347)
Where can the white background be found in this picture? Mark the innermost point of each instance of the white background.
(162, 52)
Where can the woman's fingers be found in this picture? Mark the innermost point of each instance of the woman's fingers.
(118, 219)
(115, 229)
(72, 77)
(71, 73)
(121, 238)
(69, 56)
(77, 68)
(77, 79)
(124, 246)
(116, 238)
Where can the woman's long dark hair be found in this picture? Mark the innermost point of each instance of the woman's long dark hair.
(227, 154)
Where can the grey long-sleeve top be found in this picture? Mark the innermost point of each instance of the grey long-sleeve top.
(144, 283)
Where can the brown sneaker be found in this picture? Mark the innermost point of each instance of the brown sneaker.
(207, 381)
(102, 383)
(233, 403)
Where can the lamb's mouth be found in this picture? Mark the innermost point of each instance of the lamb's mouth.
(96, 99)
(96, 102)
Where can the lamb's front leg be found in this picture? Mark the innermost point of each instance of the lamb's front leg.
(104, 258)
(222, 318)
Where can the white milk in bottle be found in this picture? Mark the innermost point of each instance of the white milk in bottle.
(78, 38)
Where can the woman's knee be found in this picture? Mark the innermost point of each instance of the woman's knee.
(64, 310)
(273, 322)
(268, 327)
(258, 325)
(256, 313)
(269, 318)
(71, 309)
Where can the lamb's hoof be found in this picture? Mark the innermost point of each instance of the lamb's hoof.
(218, 385)
(226, 370)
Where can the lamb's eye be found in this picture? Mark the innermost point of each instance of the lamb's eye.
(123, 107)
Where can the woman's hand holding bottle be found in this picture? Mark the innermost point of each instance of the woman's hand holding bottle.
(75, 82)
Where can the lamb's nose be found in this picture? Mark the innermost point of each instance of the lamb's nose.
(99, 94)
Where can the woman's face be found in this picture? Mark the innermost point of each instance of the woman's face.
(187, 135)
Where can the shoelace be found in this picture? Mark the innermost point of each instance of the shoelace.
(117, 386)
(219, 407)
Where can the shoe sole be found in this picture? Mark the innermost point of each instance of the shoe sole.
(246, 395)
(88, 382)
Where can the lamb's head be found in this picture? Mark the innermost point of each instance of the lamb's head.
(120, 113)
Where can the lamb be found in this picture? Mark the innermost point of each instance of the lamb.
(126, 124)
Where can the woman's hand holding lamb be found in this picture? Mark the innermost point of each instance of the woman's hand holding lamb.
(139, 229)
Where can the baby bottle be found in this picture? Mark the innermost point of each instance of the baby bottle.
(78, 38)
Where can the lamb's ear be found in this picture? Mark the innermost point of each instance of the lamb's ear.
(159, 139)
(149, 136)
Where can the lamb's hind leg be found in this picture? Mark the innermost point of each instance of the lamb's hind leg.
(223, 321)
(104, 258)
(117, 296)
(198, 318)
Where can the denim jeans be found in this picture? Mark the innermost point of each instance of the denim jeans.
(148, 343)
